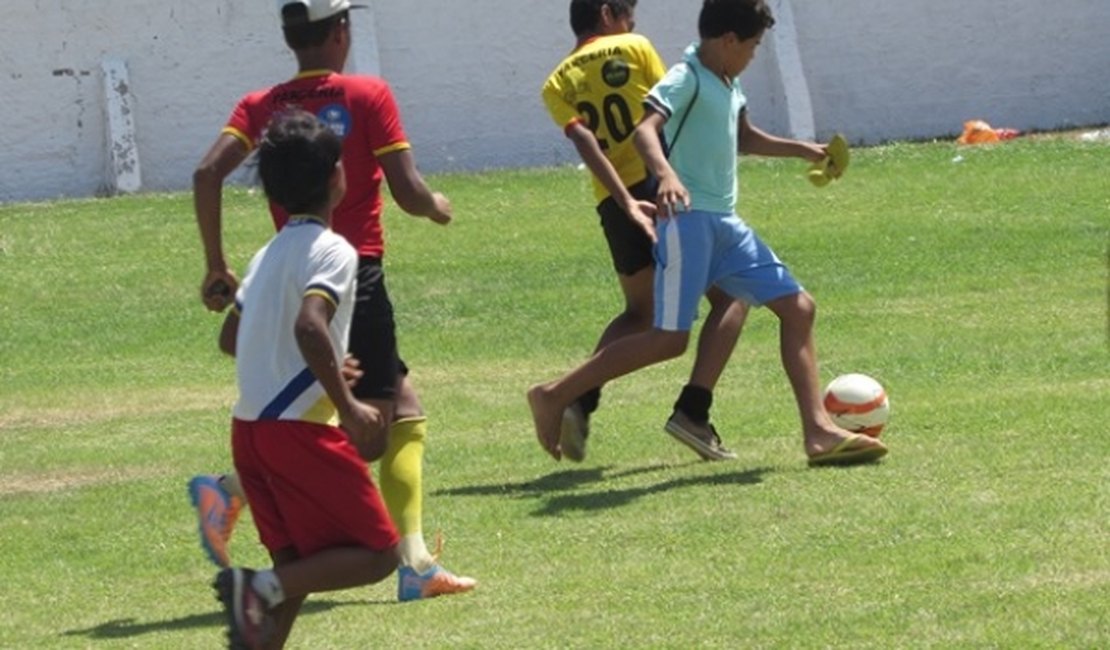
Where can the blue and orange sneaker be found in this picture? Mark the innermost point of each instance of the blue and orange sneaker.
(436, 581)
(217, 512)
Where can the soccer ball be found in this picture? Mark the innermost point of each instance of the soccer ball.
(858, 403)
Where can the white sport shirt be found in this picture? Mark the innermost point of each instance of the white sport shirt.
(304, 258)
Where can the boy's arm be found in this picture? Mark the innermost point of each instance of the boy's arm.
(314, 342)
(409, 189)
(754, 140)
(601, 167)
(229, 332)
(361, 421)
(217, 290)
(672, 193)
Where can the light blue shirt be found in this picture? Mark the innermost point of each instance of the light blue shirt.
(701, 130)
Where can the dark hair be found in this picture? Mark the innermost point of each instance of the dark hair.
(745, 18)
(301, 34)
(585, 14)
(296, 159)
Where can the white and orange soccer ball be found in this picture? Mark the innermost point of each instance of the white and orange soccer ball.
(858, 403)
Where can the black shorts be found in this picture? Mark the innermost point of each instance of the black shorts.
(629, 246)
(373, 334)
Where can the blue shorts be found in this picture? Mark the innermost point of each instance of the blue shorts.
(697, 250)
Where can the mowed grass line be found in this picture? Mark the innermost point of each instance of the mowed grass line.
(974, 290)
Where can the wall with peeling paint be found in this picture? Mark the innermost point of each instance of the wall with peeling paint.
(467, 75)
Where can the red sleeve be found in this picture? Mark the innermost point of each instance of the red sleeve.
(242, 123)
(384, 132)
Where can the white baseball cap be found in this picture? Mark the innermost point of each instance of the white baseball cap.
(320, 9)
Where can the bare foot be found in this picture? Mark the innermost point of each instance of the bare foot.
(823, 440)
(548, 419)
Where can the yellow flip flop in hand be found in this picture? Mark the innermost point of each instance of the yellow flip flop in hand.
(832, 166)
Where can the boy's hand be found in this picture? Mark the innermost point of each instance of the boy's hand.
(672, 197)
(642, 213)
(441, 212)
(351, 371)
(217, 290)
(832, 163)
(813, 152)
(366, 428)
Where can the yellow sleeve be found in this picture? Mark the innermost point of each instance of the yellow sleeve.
(558, 97)
(653, 64)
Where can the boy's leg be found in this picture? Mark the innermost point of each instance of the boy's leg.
(401, 471)
(623, 356)
(689, 423)
(760, 276)
(401, 475)
(797, 314)
(317, 511)
(718, 337)
(285, 614)
(678, 282)
(334, 569)
(636, 318)
(386, 386)
(631, 251)
(263, 605)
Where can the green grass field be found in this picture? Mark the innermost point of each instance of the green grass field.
(976, 291)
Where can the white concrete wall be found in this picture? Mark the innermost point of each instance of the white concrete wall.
(467, 75)
(895, 72)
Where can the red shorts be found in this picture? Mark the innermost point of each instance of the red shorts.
(308, 488)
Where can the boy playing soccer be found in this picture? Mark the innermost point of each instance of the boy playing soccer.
(363, 112)
(699, 108)
(316, 510)
(596, 95)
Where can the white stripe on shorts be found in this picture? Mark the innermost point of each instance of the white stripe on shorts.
(672, 279)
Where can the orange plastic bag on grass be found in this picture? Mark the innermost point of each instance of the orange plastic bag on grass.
(979, 132)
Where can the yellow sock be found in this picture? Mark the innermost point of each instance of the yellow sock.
(401, 477)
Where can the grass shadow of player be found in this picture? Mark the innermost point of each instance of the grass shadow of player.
(608, 499)
(124, 628)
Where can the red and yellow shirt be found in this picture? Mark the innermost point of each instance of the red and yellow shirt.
(363, 112)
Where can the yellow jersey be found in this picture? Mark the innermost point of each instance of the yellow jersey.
(602, 85)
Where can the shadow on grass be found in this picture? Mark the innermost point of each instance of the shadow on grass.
(122, 628)
(571, 479)
(554, 482)
(616, 498)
